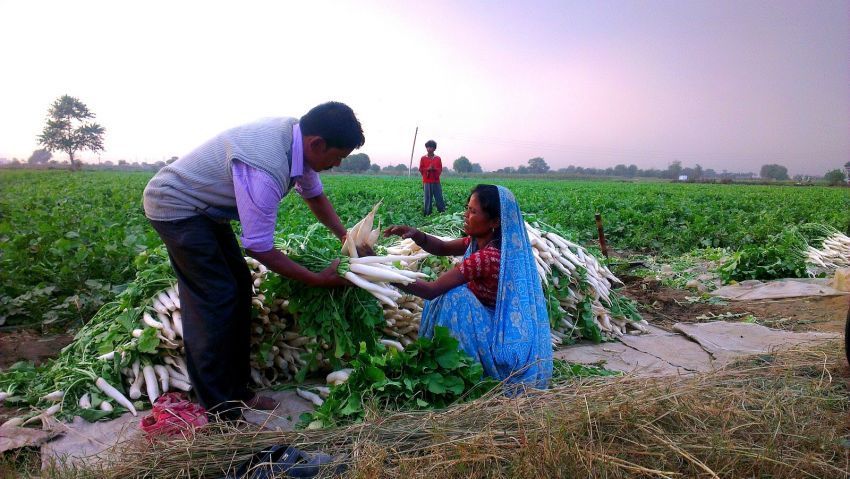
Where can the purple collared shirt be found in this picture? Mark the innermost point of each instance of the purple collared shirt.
(258, 195)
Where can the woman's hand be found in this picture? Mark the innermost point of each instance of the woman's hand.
(405, 232)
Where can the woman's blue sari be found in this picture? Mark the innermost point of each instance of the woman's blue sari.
(512, 341)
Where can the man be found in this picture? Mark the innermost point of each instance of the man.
(430, 166)
(242, 174)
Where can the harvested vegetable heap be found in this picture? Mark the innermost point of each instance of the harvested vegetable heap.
(132, 350)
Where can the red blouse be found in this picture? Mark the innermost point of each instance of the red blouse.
(481, 271)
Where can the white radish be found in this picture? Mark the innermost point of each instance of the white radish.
(379, 274)
(148, 320)
(312, 397)
(105, 406)
(388, 259)
(3, 396)
(180, 384)
(167, 328)
(158, 306)
(162, 374)
(85, 402)
(54, 396)
(173, 296)
(177, 319)
(392, 344)
(150, 383)
(371, 287)
(166, 301)
(115, 394)
(107, 357)
(14, 422)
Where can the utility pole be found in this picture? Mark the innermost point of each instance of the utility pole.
(412, 149)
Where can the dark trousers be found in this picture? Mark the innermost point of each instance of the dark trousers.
(215, 303)
(433, 191)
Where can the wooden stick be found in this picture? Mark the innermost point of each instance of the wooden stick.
(602, 243)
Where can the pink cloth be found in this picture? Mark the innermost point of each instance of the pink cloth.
(172, 415)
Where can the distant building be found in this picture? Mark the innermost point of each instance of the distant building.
(847, 171)
(683, 177)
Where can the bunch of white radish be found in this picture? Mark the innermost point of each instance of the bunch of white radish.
(402, 320)
(585, 273)
(166, 371)
(833, 254)
(375, 274)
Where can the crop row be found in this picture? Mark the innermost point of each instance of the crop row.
(68, 241)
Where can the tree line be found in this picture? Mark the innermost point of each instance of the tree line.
(69, 128)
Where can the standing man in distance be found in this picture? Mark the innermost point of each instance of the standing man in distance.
(242, 174)
(430, 166)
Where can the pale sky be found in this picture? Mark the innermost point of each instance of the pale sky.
(726, 84)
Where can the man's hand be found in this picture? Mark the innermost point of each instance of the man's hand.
(405, 232)
(329, 278)
(365, 250)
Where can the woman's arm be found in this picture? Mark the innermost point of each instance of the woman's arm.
(431, 289)
(429, 243)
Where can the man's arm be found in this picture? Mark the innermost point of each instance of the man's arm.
(324, 211)
(282, 265)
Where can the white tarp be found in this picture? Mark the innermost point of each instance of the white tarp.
(778, 289)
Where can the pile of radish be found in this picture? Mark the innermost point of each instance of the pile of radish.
(279, 351)
(833, 254)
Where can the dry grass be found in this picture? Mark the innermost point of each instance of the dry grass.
(782, 415)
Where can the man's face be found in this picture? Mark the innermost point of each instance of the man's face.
(319, 156)
(430, 150)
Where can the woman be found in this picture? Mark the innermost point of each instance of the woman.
(492, 301)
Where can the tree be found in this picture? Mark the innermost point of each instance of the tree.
(621, 170)
(674, 170)
(834, 177)
(171, 160)
(476, 168)
(538, 166)
(774, 172)
(462, 165)
(67, 129)
(374, 168)
(698, 172)
(356, 163)
(39, 157)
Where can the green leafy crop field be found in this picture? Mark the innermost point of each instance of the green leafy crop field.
(67, 241)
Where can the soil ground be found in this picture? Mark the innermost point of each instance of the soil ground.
(27, 345)
(661, 305)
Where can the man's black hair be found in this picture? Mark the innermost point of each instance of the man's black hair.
(431, 143)
(335, 123)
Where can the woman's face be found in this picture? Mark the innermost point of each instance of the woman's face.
(476, 223)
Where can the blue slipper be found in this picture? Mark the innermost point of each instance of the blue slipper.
(293, 462)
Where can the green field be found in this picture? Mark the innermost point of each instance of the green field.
(68, 241)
